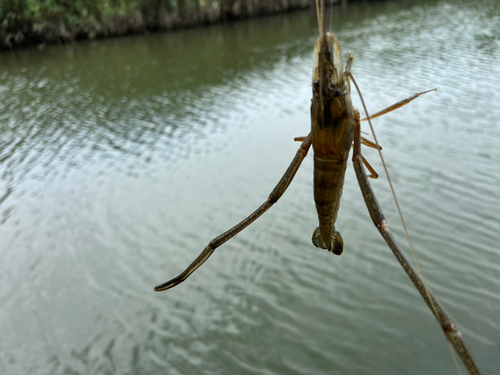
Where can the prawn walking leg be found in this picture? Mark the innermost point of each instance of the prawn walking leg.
(218, 241)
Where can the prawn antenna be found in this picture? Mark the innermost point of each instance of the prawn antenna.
(435, 310)
(379, 149)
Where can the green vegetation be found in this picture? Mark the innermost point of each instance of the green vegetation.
(24, 22)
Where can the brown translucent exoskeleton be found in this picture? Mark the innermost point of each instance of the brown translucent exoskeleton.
(332, 129)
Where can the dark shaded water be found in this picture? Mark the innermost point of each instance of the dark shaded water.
(121, 159)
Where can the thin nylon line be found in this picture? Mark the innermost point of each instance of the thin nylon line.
(331, 14)
(454, 357)
(397, 203)
(323, 34)
(318, 15)
(321, 24)
(401, 216)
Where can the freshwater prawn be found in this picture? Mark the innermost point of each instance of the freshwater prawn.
(335, 128)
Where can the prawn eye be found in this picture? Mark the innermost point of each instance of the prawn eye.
(316, 85)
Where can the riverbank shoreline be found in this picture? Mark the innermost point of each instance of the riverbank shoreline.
(24, 25)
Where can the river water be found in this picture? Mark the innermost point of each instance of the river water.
(120, 159)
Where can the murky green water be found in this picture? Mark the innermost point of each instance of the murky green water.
(120, 159)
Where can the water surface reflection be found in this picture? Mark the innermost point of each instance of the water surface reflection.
(121, 158)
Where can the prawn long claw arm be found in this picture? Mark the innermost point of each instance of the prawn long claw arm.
(444, 319)
(218, 241)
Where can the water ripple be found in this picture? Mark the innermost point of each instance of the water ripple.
(121, 159)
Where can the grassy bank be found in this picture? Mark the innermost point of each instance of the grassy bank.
(32, 22)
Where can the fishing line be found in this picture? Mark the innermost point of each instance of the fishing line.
(318, 14)
(320, 11)
(331, 14)
(399, 210)
(454, 358)
(393, 193)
